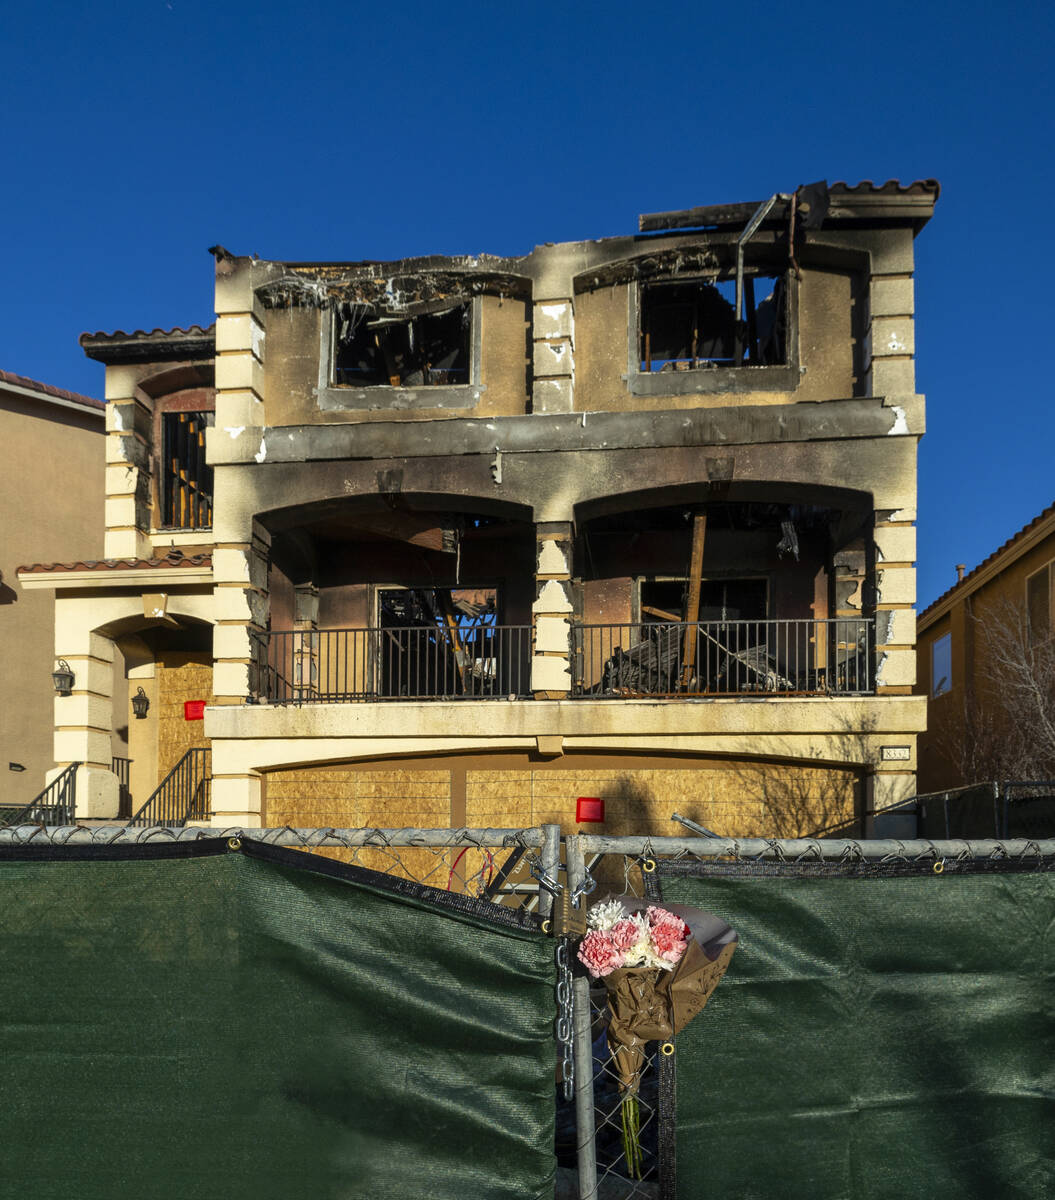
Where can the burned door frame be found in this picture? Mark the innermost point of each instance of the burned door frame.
(377, 591)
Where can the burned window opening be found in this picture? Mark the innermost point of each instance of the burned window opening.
(664, 600)
(378, 349)
(691, 324)
(186, 479)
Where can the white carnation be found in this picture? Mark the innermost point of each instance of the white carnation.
(604, 916)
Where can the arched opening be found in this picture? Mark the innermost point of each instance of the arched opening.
(399, 596)
(171, 661)
(723, 590)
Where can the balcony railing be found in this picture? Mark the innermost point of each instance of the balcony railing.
(418, 663)
(669, 659)
(725, 658)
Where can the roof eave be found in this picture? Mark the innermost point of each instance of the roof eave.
(150, 577)
(177, 346)
(88, 406)
(986, 571)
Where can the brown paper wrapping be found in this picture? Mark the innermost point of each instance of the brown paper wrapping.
(649, 1004)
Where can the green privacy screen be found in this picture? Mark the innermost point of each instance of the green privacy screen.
(877, 1035)
(260, 1024)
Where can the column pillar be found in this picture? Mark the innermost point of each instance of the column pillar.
(237, 798)
(895, 554)
(890, 341)
(129, 421)
(84, 719)
(551, 675)
(241, 607)
(306, 622)
(553, 339)
(239, 348)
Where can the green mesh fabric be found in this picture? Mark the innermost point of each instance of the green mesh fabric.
(227, 1025)
(874, 1037)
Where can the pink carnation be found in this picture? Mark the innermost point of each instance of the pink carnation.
(625, 933)
(599, 953)
(668, 945)
(669, 933)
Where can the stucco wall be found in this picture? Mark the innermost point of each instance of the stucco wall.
(999, 600)
(51, 509)
(825, 341)
(293, 338)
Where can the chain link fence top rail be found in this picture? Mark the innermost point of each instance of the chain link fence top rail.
(500, 865)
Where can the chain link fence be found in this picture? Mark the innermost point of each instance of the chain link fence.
(537, 870)
(601, 867)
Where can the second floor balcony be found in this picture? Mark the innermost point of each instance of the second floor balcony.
(671, 660)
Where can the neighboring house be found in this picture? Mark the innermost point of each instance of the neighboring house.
(51, 505)
(469, 540)
(988, 669)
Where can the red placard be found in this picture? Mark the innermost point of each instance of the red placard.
(589, 810)
(194, 710)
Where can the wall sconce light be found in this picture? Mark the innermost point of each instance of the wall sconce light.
(62, 677)
(16, 766)
(140, 704)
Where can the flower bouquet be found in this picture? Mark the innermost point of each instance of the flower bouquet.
(660, 966)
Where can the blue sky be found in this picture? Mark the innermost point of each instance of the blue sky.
(138, 134)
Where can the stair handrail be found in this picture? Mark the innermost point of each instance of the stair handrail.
(63, 808)
(183, 795)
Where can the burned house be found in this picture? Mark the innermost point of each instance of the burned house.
(463, 540)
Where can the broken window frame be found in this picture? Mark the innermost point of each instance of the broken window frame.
(707, 377)
(339, 397)
(185, 487)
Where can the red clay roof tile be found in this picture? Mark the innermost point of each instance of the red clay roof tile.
(46, 389)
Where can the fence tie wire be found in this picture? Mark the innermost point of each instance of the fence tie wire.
(811, 851)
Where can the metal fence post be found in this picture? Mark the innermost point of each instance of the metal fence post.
(583, 1042)
(550, 868)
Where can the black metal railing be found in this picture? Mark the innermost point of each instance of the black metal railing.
(121, 767)
(725, 658)
(461, 662)
(185, 794)
(55, 805)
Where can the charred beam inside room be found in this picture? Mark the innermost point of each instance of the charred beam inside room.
(428, 346)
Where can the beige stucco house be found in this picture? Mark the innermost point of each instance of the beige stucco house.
(51, 506)
(986, 667)
(464, 540)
